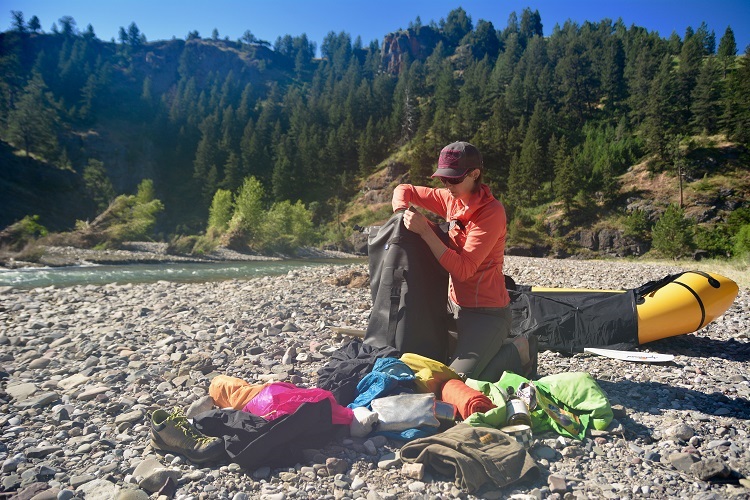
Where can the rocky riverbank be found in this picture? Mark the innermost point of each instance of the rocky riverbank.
(83, 368)
(147, 253)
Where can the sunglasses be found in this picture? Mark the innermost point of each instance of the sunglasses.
(452, 180)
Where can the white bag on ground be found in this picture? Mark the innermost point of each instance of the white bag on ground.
(405, 411)
(363, 422)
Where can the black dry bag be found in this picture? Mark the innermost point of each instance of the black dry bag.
(409, 293)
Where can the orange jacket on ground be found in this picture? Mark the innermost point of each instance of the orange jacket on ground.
(232, 392)
(475, 257)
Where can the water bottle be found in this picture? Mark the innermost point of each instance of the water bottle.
(518, 412)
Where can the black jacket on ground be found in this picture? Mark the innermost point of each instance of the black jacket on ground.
(348, 365)
(253, 442)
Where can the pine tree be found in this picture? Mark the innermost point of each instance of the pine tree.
(673, 233)
(691, 59)
(727, 49)
(470, 112)
(456, 26)
(98, 186)
(33, 122)
(505, 65)
(706, 108)
(531, 26)
(208, 158)
(737, 111)
(484, 41)
(446, 97)
(368, 148)
(613, 74)
(576, 80)
(286, 180)
(567, 181)
(661, 111)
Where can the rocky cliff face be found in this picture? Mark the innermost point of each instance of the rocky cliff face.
(416, 43)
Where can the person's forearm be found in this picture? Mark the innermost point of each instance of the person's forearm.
(437, 247)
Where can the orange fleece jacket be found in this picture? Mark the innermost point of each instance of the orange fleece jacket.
(474, 258)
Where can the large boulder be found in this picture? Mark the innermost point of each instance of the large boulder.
(609, 242)
(416, 43)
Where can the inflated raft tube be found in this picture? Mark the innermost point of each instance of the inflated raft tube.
(570, 320)
(676, 305)
(682, 305)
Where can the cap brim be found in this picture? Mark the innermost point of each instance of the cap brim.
(450, 173)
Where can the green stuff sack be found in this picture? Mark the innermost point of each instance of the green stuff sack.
(574, 393)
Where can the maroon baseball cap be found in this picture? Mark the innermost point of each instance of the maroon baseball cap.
(458, 158)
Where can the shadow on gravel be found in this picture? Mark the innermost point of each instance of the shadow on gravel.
(702, 347)
(656, 397)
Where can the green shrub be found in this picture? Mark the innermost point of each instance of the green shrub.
(737, 219)
(29, 227)
(181, 245)
(249, 211)
(672, 235)
(287, 227)
(132, 217)
(20, 234)
(191, 245)
(716, 240)
(636, 224)
(97, 184)
(222, 208)
(741, 242)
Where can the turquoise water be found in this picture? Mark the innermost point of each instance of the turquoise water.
(149, 273)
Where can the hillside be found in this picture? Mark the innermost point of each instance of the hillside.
(716, 182)
(578, 129)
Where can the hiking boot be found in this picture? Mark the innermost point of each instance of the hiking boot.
(172, 432)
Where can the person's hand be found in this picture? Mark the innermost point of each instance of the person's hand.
(416, 222)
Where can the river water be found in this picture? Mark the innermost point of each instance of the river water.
(149, 273)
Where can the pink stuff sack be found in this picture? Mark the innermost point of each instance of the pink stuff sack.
(282, 398)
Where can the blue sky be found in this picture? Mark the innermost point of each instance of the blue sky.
(371, 19)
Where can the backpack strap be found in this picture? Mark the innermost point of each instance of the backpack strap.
(398, 281)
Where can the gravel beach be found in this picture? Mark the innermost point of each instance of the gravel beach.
(84, 367)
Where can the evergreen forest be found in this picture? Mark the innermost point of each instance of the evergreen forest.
(271, 145)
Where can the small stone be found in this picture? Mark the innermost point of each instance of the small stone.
(132, 494)
(155, 479)
(413, 470)
(544, 452)
(72, 381)
(683, 432)
(682, 461)
(557, 484)
(199, 406)
(20, 391)
(129, 417)
(98, 488)
(416, 486)
(709, 469)
(336, 466)
(389, 460)
(78, 480)
(357, 484)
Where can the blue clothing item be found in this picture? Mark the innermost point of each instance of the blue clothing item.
(409, 434)
(395, 368)
(387, 374)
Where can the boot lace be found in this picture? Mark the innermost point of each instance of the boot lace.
(180, 421)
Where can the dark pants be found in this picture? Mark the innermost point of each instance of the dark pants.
(480, 350)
